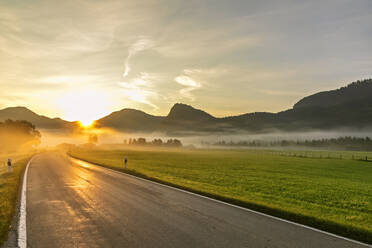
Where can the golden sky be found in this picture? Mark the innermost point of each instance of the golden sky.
(82, 59)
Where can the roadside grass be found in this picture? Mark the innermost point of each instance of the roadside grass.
(9, 186)
(334, 195)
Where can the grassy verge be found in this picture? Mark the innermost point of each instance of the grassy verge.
(331, 194)
(9, 186)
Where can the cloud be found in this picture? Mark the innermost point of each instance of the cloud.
(66, 79)
(140, 89)
(282, 93)
(176, 50)
(139, 95)
(190, 84)
(187, 81)
(139, 45)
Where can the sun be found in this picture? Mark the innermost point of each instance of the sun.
(86, 123)
(84, 106)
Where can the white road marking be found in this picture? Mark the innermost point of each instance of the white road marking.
(22, 232)
(231, 205)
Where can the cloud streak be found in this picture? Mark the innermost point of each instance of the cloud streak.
(140, 90)
(138, 46)
(190, 85)
(252, 54)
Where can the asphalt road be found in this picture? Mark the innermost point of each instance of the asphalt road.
(72, 204)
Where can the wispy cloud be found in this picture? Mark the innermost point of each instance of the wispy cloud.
(139, 45)
(140, 89)
(258, 52)
(66, 79)
(282, 93)
(190, 85)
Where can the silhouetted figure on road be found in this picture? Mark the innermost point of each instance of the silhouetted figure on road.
(125, 162)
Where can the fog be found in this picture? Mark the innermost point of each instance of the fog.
(108, 136)
(18, 135)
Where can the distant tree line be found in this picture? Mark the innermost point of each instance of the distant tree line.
(154, 142)
(358, 83)
(16, 135)
(346, 143)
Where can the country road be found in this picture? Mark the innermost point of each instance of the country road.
(76, 204)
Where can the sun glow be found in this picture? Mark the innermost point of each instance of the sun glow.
(86, 123)
(84, 106)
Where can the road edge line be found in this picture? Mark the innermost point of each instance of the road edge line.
(22, 231)
(232, 205)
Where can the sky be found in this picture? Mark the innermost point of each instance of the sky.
(82, 59)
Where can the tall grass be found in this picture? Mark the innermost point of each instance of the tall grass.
(9, 186)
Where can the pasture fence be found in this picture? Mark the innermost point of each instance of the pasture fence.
(361, 156)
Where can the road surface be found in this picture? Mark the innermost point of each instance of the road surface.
(76, 204)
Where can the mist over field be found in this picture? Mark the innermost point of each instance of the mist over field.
(342, 112)
(110, 136)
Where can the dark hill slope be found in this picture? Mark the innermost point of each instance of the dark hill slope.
(356, 91)
(41, 122)
(183, 112)
(131, 120)
(347, 107)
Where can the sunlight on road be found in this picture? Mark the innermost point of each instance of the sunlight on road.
(81, 163)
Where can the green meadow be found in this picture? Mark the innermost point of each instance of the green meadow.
(321, 190)
(9, 186)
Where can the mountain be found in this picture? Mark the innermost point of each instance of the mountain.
(41, 122)
(349, 107)
(179, 119)
(130, 120)
(183, 119)
(356, 91)
(183, 112)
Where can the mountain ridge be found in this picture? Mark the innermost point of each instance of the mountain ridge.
(23, 113)
(346, 107)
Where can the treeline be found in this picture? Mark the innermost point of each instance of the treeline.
(16, 135)
(346, 143)
(154, 142)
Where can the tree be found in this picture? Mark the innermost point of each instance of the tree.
(93, 139)
(16, 135)
(174, 143)
(141, 141)
(157, 142)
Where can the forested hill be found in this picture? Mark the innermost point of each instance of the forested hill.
(349, 107)
(40, 121)
(356, 91)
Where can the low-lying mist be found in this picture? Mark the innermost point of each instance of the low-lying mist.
(18, 135)
(109, 136)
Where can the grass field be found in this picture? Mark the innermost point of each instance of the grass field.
(9, 185)
(331, 194)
